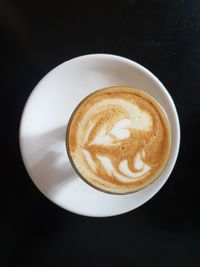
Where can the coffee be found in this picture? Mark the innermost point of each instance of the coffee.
(119, 139)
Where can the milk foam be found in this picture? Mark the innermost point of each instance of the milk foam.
(118, 139)
(102, 138)
(138, 119)
(127, 175)
(89, 159)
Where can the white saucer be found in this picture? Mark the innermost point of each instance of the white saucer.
(44, 121)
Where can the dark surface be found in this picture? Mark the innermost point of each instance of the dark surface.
(164, 36)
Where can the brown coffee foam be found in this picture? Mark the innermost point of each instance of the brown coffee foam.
(156, 142)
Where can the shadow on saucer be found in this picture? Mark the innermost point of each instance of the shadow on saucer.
(47, 159)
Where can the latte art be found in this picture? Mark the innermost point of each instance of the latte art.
(119, 139)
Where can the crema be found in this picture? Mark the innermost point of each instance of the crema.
(119, 139)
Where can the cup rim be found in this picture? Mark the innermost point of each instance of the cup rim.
(82, 101)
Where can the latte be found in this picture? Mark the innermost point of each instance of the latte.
(119, 139)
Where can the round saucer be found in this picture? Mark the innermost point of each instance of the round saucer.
(43, 127)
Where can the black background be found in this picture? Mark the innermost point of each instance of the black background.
(36, 36)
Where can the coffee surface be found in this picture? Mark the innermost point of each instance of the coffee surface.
(119, 139)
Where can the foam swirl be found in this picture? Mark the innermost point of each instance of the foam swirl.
(119, 139)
